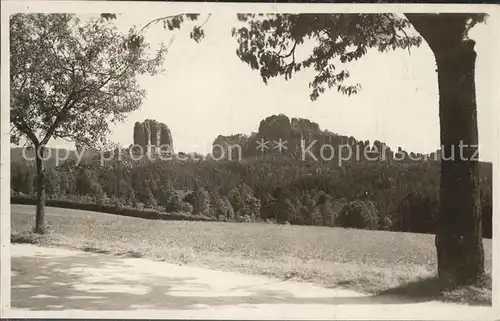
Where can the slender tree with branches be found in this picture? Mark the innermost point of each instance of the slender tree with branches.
(71, 79)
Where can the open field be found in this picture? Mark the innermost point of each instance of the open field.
(367, 261)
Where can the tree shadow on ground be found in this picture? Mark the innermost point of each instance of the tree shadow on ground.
(434, 289)
(65, 283)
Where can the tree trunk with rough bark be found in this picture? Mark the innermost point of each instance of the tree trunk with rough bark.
(458, 231)
(40, 190)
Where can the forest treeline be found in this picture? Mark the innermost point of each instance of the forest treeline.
(384, 195)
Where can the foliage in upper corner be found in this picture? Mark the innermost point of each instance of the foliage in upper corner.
(70, 78)
(268, 43)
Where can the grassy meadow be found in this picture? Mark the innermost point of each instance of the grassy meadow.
(367, 261)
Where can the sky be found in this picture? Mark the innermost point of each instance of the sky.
(207, 91)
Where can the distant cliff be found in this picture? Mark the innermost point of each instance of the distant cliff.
(151, 133)
(297, 135)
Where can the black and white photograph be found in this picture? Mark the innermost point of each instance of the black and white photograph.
(184, 160)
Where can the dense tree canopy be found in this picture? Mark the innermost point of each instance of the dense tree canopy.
(269, 44)
(390, 195)
(71, 79)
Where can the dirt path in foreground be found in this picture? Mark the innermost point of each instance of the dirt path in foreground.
(80, 284)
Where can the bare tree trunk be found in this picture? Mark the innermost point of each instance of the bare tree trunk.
(40, 190)
(460, 247)
(458, 232)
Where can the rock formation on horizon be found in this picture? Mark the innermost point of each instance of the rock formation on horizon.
(151, 133)
(298, 133)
